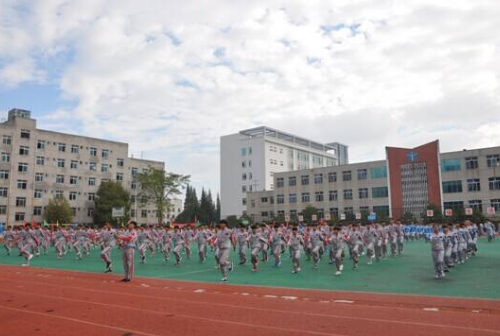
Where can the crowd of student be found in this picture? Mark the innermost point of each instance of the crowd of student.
(451, 245)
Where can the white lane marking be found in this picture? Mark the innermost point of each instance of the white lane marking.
(343, 301)
(432, 309)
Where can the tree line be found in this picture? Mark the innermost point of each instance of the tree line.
(205, 210)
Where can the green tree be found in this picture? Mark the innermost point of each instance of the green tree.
(58, 211)
(217, 209)
(308, 212)
(110, 195)
(438, 214)
(207, 211)
(408, 217)
(191, 207)
(158, 186)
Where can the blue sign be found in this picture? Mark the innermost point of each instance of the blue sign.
(412, 156)
(372, 217)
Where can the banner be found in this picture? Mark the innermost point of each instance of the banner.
(287, 218)
(328, 217)
(430, 213)
(301, 218)
(469, 211)
(342, 216)
(314, 217)
(448, 212)
(491, 211)
(358, 216)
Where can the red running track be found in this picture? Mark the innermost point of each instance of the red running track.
(52, 302)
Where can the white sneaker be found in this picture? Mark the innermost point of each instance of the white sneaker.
(341, 268)
(25, 265)
(338, 273)
(29, 258)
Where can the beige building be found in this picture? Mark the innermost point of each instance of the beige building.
(467, 180)
(37, 165)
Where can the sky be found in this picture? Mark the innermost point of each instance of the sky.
(171, 77)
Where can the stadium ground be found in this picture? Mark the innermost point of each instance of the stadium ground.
(410, 273)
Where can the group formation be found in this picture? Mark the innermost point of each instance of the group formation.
(451, 245)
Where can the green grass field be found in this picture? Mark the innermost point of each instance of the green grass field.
(411, 273)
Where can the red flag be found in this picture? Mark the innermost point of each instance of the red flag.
(34, 223)
(25, 222)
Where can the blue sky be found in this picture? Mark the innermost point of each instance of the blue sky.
(170, 78)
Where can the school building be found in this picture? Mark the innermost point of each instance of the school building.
(37, 165)
(405, 182)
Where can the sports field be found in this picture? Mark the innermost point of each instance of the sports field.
(411, 273)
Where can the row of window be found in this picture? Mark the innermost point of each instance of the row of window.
(362, 174)
(450, 165)
(23, 167)
(474, 204)
(38, 211)
(38, 194)
(305, 197)
(473, 185)
(61, 147)
(382, 210)
(60, 179)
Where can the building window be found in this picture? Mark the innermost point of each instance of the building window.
(105, 153)
(318, 178)
(346, 175)
(381, 210)
(380, 192)
(332, 177)
(493, 160)
(19, 217)
(334, 212)
(7, 140)
(495, 203)
(37, 211)
(93, 151)
(362, 174)
(243, 152)
(24, 150)
(280, 182)
(135, 171)
(378, 172)
(363, 193)
(120, 162)
(304, 179)
(39, 177)
(292, 181)
(449, 165)
(318, 196)
(40, 144)
(73, 195)
(306, 197)
(104, 167)
(473, 185)
(73, 212)
(91, 181)
(22, 184)
(4, 174)
(332, 195)
(471, 162)
(25, 134)
(40, 161)
(4, 192)
(90, 212)
(92, 166)
(244, 176)
(73, 180)
(249, 150)
(74, 164)
(249, 163)
(3, 209)
(20, 201)
(453, 205)
(348, 210)
(280, 199)
(476, 204)
(292, 198)
(119, 176)
(60, 179)
(244, 188)
(494, 183)
(38, 193)
(22, 167)
(75, 149)
(243, 164)
(5, 157)
(59, 194)
(452, 187)
(60, 163)
(263, 200)
(61, 147)
(91, 197)
(348, 194)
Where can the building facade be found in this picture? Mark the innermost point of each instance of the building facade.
(37, 165)
(250, 158)
(406, 182)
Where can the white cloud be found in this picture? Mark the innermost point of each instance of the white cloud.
(171, 77)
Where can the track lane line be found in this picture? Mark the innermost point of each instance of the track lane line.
(374, 320)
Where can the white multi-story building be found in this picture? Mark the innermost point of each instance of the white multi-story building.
(250, 158)
(37, 165)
